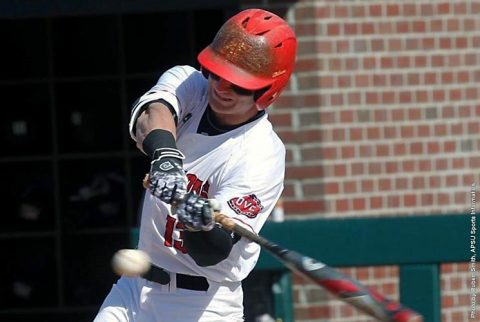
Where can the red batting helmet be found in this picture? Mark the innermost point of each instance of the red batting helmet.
(255, 49)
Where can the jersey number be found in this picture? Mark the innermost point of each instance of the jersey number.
(201, 188)
(173, 224)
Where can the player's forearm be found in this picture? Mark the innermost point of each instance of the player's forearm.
(156, 116)
(209, 248)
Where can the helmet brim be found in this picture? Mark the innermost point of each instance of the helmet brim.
(220, 66)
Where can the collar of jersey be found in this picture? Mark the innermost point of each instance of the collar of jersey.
(210, 126)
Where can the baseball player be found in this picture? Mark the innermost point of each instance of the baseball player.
(209, 137)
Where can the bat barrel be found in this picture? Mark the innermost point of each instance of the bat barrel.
(344, 287)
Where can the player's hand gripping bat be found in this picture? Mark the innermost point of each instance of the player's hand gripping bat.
(338, 284)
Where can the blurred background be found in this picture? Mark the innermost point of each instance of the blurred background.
(381, 121)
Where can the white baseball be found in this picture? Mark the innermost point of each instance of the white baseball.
(130, 262)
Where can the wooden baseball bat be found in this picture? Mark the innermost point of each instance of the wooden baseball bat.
(338, 284)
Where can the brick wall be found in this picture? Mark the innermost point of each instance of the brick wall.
(455, 287)
(382, 117)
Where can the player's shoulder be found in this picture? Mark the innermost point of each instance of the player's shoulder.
(185, 82)
(265, 133)
(263, 142)
(184, 72)
(261, 159)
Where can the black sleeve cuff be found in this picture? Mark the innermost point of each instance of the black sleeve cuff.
(157, 139)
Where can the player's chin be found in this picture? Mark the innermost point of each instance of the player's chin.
(221, 110)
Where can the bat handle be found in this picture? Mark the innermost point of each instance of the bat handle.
(227, 222)
(230, 225)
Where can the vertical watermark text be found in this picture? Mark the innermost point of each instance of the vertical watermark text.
(473, 253)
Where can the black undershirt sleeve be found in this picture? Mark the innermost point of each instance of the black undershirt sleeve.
(209, 248)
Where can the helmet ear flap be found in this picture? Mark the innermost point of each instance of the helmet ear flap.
(259, 93)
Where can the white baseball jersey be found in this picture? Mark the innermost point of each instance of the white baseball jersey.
(242, 168)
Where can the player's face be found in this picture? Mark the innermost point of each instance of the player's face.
(231, 104)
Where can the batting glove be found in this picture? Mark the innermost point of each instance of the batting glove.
(196, 213)
(168, 181)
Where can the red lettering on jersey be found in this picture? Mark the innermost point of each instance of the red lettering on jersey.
(171, 225)
(169, 231)
(198, 186)
(248, 206)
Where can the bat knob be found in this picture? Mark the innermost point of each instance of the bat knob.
(215, 204)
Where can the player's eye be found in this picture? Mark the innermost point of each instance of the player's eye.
(241, 91)
(236, 89)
